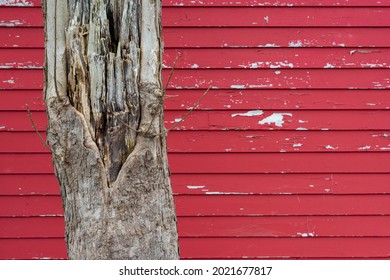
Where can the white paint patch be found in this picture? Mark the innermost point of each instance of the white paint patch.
(329, 147)
(301, 121)
(11, 23)
(306, 234)
(297, 145)
(301, 128)
(328, 65)
(178, 120)
(249, 114)
(275, 118)
(364, 148)
(195, 66)
(266, 18)
(195, 187)
(16, 3)
(237, 86)
(9, 81)
(2, 127)
(278, 72)
(295, 44)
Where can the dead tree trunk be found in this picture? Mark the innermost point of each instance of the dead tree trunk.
(104, 99)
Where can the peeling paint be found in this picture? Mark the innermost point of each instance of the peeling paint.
(328, 65)
(266, 18)
(237, 86)
(249, 113)
(195, 187)
(275, 118)
(16, 3)
(10, 81)
(329, 147)
(195, 66)
(11, 23)
(278, 72)
(301, 128)
(306, 234)
(364, 148)
(297, 145)
(2, 127)
(295, 44)
(178, 120)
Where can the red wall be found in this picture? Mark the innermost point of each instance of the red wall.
(314, 183)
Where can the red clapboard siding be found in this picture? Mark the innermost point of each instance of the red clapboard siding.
(226, 205)
(275, 37)
(20, 3)
(232, 120)
(259, 248)
(236, 141)
(282, 58)
(26, 249)
(375, 162)
(239, 16)
(242, 184)
(35, 184)
(270, 17)
(32, 37)
(293, 226)
(21, 58)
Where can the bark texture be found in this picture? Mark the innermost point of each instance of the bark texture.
(105, 108)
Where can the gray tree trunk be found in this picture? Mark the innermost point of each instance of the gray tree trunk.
(104, 99)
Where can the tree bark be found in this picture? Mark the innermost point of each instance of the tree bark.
(104, 100)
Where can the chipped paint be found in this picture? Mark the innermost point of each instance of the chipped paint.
(295, 145)
(295, 44)
(278, 72)
(195, 187)
(16, 3)
(195, 66)
(10, 81)
(306, 234)
(328, 65)
(301, 128)
(364, 148)
(275, 118)
(266, 18)
(329, 147)
(249, 113)
(237, 86)
(11, 23)
(177, 120)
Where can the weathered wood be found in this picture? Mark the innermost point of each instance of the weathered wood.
(103, 92)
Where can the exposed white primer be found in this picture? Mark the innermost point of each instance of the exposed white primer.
(275, 118)
(195, 187)
(297, 145)
(295, 44)
(9, 81)
(329, 147)
(278, 72)
(249, 113)
(364, 148)
(237, 86)
(16, 3)
(306, 234)
(11, 23)
(301, 128)
(195, 66)
(178, 120)
(266, 18)
(328, 65)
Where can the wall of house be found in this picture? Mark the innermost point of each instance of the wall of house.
(286, 157)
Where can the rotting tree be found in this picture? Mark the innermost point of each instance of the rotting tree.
(104, 100)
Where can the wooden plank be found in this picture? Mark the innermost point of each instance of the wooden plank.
(296, 120)
(275, 17)
(244, 184)
(16, 17)
(36, 249)
(21, 58)
(236, 141)
(32, 227)
(226, 205)
(214, 37)
(276, 205)
(214, 184)
(293, 226)
(21, 79)
(266, 248)
(250, 99)
(271, 58)
(16, 100)
(275, 79)
(278, 3)
(374, 162)
(34, 184)
(20, 3)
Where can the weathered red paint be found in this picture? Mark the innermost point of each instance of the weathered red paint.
(286, 157)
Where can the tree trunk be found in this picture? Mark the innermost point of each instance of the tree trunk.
(104, 99)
